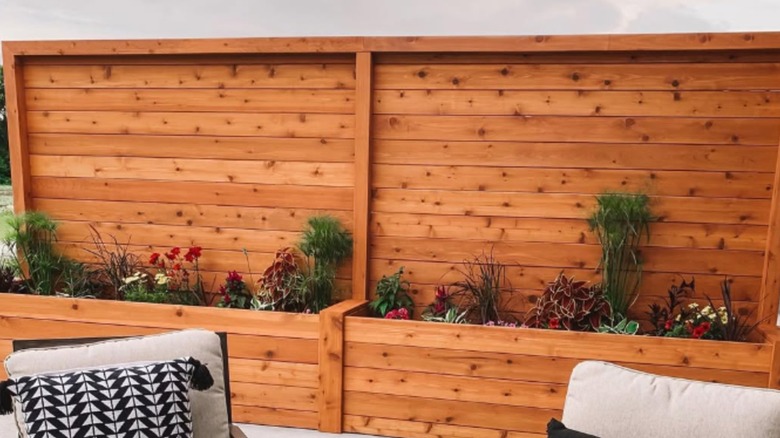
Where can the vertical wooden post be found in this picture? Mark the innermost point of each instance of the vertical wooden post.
(330, 399)
(770, 285)
(362, 191)
(17, 129)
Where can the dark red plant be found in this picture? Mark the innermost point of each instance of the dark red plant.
(570, 305)
(276, 284)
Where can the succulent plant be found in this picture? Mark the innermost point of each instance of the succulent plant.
(571, 305)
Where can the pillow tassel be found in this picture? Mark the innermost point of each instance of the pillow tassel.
(6, 401)
(201, 377)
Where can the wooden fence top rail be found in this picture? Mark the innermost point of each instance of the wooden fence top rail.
(538, 43)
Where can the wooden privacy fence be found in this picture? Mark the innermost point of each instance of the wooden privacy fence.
(430, 150)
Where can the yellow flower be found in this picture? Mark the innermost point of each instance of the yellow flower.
(161, 279)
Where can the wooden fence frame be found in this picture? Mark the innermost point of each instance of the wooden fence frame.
(333, 321)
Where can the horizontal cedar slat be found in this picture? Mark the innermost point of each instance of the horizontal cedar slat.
(212, 59)
(222, 148)
(225, 194)
(273, 373)
(504, 229)
(273, 348)
(273, 396)
(493, 416)
(191, 76)
(274, 416)
(172, 123)
(425, 275)
(572, 255)
(577, 103)
(419, 429)
(232, 101)
(748, 131)
(686, 157)
(185, 215)
(512, 367)
(444, 387)
(684, 76)
(592, 181)
(563, 206)
(240, 172)
(164, 317)
(575, 345)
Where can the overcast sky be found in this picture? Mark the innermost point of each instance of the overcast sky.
(89, 19)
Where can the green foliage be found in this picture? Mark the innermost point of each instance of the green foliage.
(326, 244)
(5, 165)
(392, 293)
(480, 293)
(621, 222)
(623, 327)
(570, 305)
(78, 280)
(282, 287)
(30, 238)
(450, 316)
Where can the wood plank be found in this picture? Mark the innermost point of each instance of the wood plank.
(448, 412)
(223, 59)
(561, 206)
(273, 396)
(571, 255)
(575, 345)
(192, 76)
(549, 180)
(16, 116)
(363, 175)
(200, 100)
(726, 76)
(225, 194)
(172, 169)
(467, 389)
(662, 234)
(655, 157)
(274, 416)
(417, 429)
(193, 215)
(426, 275)
(221, 148)
(512, 367)
(748, 131)
(273, 373)
(770, 288)
(162, 316)
(572, 103)
(273, 348)
(171, 123)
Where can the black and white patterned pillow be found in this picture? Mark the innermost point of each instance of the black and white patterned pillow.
(137, 401)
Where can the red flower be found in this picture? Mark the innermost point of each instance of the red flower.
(234, 277)
(177, 267)
(154, 258)
(554, 323)
(698, 332)
(439, 306)
(170, 256)
(176, 250)
(403, 313)
(668, 325)
(391, 314)
(193, 254)
(705, 326)
(441, 293)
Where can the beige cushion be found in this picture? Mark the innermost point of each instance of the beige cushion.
(614, 402)
(209, 409)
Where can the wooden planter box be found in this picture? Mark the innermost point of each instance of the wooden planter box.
(417, 379)
(273, 356)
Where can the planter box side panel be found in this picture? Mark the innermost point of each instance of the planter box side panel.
(274, 376)
(418, 379)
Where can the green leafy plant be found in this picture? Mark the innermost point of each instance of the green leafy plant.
(621, 222)
(282, 287)
(570, 305)
(480, 293)
(623, 327)
(234, 293)
(392, 293)
(8, 280)
(731, 326)
(115, 262)
(326, 244)
(138, 287)
(30, 238)
(661, 316)
(179, 274)
(450, 316)
(79, 280)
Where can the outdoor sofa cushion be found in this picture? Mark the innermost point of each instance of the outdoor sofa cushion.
(610, 401)
(150, 400)
(209, 410)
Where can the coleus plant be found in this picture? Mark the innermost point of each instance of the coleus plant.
(277, 285)
(570, 305)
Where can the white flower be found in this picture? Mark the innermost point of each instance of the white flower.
(706, 311)
(161, 278)
(693, 306)
(724, 319)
